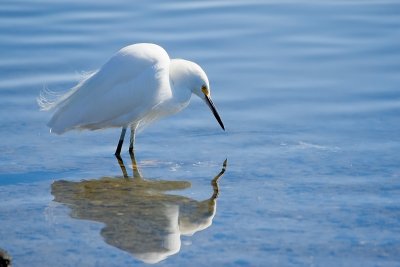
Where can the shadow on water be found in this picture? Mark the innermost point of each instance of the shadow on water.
(140, 217)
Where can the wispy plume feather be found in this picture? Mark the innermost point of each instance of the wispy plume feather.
(48, 99)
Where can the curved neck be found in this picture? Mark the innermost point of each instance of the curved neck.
(179, 100)
(180, 86)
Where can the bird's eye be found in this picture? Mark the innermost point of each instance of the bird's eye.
(205, 90)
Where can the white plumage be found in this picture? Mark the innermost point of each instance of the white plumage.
(138, 85)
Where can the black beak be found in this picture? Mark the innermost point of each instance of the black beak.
(214, 111)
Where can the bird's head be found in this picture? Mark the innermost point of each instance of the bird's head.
(192, 76)
(204, 94)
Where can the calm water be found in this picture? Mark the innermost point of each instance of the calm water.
(309, 94)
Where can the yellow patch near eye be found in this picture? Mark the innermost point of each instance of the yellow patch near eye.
(205, 90)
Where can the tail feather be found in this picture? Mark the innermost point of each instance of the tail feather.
(55, 124)
(50, 100)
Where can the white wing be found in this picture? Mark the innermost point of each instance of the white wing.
(129, 85)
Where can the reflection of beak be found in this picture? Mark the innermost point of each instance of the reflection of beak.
(214, 110)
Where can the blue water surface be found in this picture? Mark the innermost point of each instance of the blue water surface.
(308, 92)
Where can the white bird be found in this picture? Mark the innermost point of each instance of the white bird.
(137, 86)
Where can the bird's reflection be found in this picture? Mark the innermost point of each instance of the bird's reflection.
(140, 217)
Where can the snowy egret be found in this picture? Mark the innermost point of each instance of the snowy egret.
(137, 86)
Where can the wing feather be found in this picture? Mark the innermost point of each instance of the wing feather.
(134, 80)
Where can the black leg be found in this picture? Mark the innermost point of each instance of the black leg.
(135, 169)
(132, 139)
(122, 166)
(120, 142)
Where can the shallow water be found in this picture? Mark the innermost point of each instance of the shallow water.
(308, 92)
